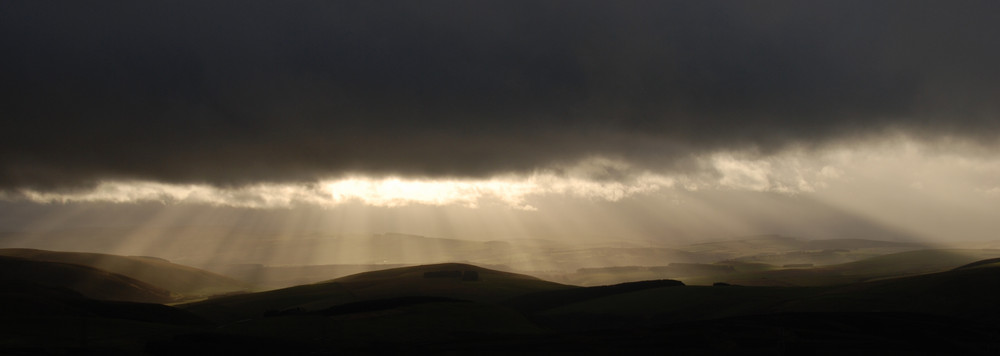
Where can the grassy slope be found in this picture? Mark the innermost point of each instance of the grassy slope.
(179, 279)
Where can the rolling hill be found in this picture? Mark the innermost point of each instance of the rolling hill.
(461, 308)
(450, 280)
(962, 293)
(90, 282)
(181, 280)
(487, 285)
(28, 299)
(879, 267)
(39, 320)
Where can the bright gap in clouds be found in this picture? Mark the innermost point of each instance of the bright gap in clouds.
(511, 191)
(861, 176)
(889, 190)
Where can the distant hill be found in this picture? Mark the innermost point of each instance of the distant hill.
(778, 249)
(748, 261)
(179, 279)
(310, 258)
(878, 267)
(88, 281)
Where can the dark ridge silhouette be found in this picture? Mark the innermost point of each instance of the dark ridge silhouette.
(965, 294)
(985, 262)
(179, 279)
(422, 269)
(488, 286)
(444, 280)
(91, 282)
(894, 265)
(23, 298)
(968, 293)
(154, 258)
(539, 301)
(403, 311)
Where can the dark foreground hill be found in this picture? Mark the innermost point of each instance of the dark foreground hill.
(39, 319)
(968, 294)
(88, 281)
(178, 279)
(458, 308)
(27, 299)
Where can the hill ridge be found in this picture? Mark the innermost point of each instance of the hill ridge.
(89, 281)
(176, 278)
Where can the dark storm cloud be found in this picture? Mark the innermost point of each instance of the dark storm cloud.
(243, 91)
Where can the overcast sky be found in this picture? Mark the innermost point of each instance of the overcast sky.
(263, 103)
(234, 92)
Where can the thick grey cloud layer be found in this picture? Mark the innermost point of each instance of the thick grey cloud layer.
(233, 92)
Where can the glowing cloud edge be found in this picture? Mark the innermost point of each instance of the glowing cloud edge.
(789, 172)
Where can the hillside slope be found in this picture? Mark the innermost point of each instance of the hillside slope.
(449, 280)
(965, 294)
(88, 281)
(879, 267)
(179, 279)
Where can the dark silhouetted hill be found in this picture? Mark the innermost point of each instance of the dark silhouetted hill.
(442, 309)
(179, 279)
(488, 286)
(88, 281)
(29, 299)
(990, 262)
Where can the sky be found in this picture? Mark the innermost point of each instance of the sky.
(670, 121)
